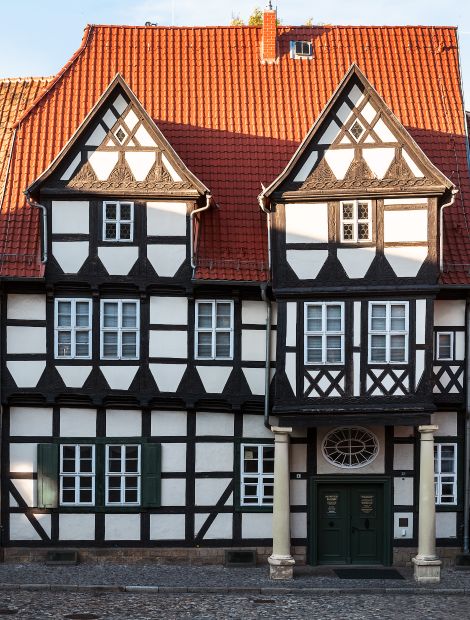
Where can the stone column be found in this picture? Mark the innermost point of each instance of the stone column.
(281, 562)
(427, 564)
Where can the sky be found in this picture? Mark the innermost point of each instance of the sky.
(38, 37)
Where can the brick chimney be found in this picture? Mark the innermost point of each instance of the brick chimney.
(269, 43)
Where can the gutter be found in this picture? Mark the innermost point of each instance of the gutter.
(42, 208)
(191, 228)
(455, 191)
(267, 367)
(466, 506)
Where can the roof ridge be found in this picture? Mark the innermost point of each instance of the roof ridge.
(280, 26)
(86, 36)
(28, 78)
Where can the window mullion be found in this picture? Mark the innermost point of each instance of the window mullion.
(214, 318)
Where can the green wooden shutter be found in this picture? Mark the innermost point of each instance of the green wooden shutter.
(151, 475)
(48, 475)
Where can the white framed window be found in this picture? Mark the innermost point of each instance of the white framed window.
(120, 319)
(77, 475)
(445, 473)
(214, 329)
(257, 474)
(123, 477)
(444, 346)
(118, 221)
(72, 327)
(324, 333)
(388, 332)
(356, 221)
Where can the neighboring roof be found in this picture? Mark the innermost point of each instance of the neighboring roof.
(16, 96)
(236, 122)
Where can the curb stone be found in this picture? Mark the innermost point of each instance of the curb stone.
(272, 591)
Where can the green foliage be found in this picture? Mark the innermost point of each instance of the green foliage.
(256, 18)
(237, 21)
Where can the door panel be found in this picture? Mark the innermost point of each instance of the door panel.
(350, 524)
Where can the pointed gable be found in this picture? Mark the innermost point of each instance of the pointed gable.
(357, 144)
(118, 147)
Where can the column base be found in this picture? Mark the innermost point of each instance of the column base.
(427, 571)
(281, 567)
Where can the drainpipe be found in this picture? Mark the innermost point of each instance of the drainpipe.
(466, 507)
(33, 203)
(455, 191)
(191, 226)
(263, 207)
(267, 368)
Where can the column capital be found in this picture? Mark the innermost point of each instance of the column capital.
(285, 430)
(428, 429)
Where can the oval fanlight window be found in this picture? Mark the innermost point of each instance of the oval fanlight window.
(350, 447)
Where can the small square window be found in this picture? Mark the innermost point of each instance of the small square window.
(118, 221)
(445, 346)
(356, 130)
(120, 134)
(303, 48)
(356, 221)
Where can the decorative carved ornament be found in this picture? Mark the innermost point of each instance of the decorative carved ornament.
(359, 176)
(121, 178)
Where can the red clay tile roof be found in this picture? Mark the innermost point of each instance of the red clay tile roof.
(236, 122)
(16, 96)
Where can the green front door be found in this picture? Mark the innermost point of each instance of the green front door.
(350, 524)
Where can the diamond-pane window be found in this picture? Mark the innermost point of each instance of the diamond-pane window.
(120, 134)
(118, 221)
(356, 130)
(356, 224)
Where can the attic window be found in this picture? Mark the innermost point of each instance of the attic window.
(303, 48)
(120, 134)
(357, 130)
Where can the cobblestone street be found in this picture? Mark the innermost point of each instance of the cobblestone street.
(81, 606)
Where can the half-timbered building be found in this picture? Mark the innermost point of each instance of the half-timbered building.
(234, 272)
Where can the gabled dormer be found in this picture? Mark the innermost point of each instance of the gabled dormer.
(118, 196)
(359, 199)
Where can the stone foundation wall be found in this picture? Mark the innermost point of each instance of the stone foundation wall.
(402, 555)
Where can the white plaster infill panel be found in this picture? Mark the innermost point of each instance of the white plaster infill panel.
(70, 255)
(27, 490)
(171, 423)
(220, 528)
(140, 163)
(77, 422)
(214, 457)
(30, 421)
(356, 261)
(76, 527)
(173, 344)
(446, 524)
(166, 259)
(378, 160)
(72, 167)
(406, 261)
(123, 423)
(167, 376)
(26, 307)
(169, 310)
(255, 380)
(306, 264)
(103, 163)
(26, 374)
(23, 457)
(144, 138)
(70, 217)
(122, 527)
(307, 223)
(253, 312)
(25, 340)
(167, 527)
(171, 171)
(291, 370)
(74, 376)
(403, 456)
(449, 313)
(254, 428)
(253, 345)
(307, 167)
(214, 423)
(411, 164)
(173, 457)
(173, 492)
(419, 367)
(447, 423)
(96, 137)
(420, 321)
(291, 326)
(118, 261)
(257, 525)
(119, 377)
(339, 161)
(406, 225)
(208, 491)
(21, 528)
(166, 219)
(214, 378)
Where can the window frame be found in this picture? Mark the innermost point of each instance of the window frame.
(260, 475)
(388, 332)
(438, 475)
(118, 221)
(120, 329)
(123, 475)
(303, 54)
(324, 333)
(452, 346)
(355, 221)
(77, 474)
(214, 329)
(73, 329)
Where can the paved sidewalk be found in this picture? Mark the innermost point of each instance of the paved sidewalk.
(156, 578)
